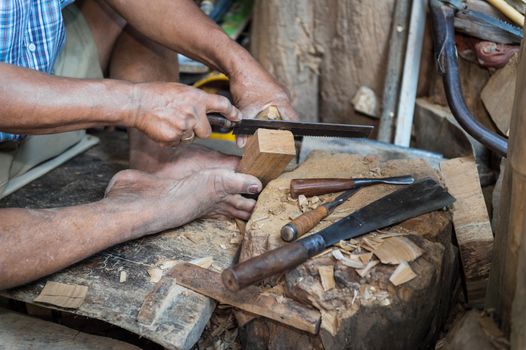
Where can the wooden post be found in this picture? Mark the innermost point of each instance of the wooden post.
(508, 280)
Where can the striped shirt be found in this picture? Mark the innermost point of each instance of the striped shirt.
(31, 35)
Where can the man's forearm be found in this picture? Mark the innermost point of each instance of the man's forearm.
(37, 103)
(180, 25)
(35, 243)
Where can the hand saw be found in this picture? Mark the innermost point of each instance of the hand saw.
(492, 24)
(249, 127)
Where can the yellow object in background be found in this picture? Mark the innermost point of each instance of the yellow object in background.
(216, 83)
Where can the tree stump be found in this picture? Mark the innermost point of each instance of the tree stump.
(360, 312)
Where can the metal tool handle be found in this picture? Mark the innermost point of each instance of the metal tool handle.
(219, 121)
(253, 270)
(303, 224)
(316, 187)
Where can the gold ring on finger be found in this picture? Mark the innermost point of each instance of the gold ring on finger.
(188, 137)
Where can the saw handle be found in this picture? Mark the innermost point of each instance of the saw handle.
(316, 187)
(303, 224)
(265, 265)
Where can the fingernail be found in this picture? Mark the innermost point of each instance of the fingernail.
(241, 142)
(253, 189)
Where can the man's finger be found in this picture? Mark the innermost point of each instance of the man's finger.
(222, 105)
(202, 128)
(288, 113)
(241, 203)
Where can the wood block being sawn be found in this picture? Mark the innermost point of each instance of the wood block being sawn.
(267, 153)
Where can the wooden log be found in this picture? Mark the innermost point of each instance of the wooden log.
(251, 299)
(282, 39)
(471, 223)
(322, 61)
(267, 153)
(355, 300)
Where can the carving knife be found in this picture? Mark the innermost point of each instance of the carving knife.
(307, 221)
(316, 187)
(249, 127)
(414, 200)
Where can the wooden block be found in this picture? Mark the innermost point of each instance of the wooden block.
(69, 296)
(472, 225)
(267, 153)
(251, 299)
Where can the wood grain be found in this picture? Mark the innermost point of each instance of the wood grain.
(267, 153)
(472, 225)
(252, 299)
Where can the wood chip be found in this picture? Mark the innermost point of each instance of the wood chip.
(205, 262)
(365, 271)
(396, 250)
(327, 277)
(155, 274)
(69, 296)
(357, 264)
(314, 202)
(123, 276)
(303, 203)
(402, 274)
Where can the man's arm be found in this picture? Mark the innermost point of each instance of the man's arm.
(37, 103)
(181, 26)
(35, 243)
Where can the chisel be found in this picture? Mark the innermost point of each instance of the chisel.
(414, 200)
(316, 187)
(307, 221)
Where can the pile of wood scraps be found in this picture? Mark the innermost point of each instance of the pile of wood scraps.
(395, 271)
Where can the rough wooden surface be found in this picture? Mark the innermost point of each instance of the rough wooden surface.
(258, 301)
(21, 332)
(267, 153)
(498, 95)
(471, 223)
(324, 51)
(360, 312)
(83, 179)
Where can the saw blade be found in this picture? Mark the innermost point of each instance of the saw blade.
(249, 127)
(494, 22)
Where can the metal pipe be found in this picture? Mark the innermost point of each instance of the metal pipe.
(446, 58)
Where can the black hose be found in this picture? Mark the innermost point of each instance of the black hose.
(446, 58)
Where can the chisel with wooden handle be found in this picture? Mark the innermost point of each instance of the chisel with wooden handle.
(316, 187)
(414, 200)
(307, 221)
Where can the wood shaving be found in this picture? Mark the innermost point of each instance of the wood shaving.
(303, 203)
(357, 264)
(205, 262)
(263, 218)
(365, 271)
(155, 274)
(396, 250)
(314, 202)
(327, 277)
(402, 274)
(123, 276)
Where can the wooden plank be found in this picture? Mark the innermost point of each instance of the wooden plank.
(472, 225)
(267, 153)
(251, 299)
(19, 332)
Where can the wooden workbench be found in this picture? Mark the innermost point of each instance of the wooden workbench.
(180, 320)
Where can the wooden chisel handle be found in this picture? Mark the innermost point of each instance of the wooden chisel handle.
(265, 265)
(303, 224)
(315, 187)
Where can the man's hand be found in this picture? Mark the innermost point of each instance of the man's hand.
(167, 112)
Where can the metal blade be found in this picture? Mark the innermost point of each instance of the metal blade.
(340, 199)
(249, 127)
(417, 199)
